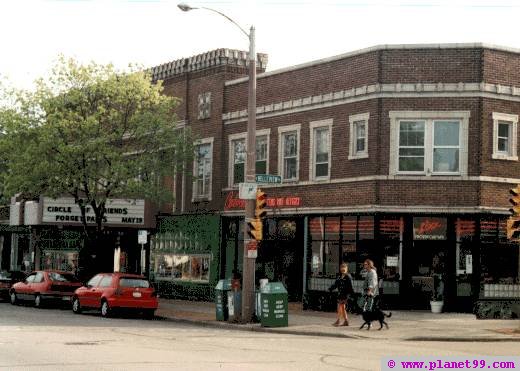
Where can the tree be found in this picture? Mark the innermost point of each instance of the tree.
(94, 133)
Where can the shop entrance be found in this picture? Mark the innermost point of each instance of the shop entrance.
(280, 256)
(426, 263)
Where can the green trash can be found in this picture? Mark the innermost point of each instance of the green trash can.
(274, 306)
(221, 306)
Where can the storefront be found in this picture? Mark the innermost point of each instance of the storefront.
(469, 255)
(185, 256)
(56, 238)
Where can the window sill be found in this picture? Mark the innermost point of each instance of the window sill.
(497, 156)
(357, 157)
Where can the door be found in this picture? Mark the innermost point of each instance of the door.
(426, 262)
(88, 297)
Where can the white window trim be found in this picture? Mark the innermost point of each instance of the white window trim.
(313, 125)
(243, 135)
(396, 116)
(194, 197)
(513, 119)
(352, 154)
(281, 131)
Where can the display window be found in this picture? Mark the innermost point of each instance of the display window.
(182, 267)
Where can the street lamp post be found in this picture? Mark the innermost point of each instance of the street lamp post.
(248, 270)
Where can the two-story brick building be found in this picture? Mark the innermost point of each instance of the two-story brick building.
(400, 153)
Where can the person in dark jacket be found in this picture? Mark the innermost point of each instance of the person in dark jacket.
(344, 286)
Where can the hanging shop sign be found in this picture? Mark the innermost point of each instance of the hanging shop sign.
(429, 228)
(117, 211)
(233, 202)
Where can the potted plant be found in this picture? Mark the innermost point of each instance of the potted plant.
(437, 300)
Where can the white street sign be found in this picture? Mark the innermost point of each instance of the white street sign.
(142, 236)
(247, 191)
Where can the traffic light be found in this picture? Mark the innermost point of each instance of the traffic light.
(515, 201)
(255, 231)
(261, 202)
(513, 228)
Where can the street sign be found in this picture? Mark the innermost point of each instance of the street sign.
(252, 249)
(267, 178)
(247, 191)
(142, 236)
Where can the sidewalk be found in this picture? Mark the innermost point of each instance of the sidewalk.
(404, 325)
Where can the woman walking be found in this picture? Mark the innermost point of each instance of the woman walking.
(344, 285)
(371, 285)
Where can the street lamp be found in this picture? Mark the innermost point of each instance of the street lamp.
(248, 274)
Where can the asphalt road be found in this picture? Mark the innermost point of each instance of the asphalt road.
(57, 339)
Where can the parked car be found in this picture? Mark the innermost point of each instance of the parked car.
(8, 279)
(115, 291)
(45, 286)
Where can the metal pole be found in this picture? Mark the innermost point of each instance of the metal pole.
(248, 277)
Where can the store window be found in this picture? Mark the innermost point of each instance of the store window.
(182, 267)
(429, 143)
(60, 260)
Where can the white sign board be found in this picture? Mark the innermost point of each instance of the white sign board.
(247, 191)
(142, 236)
(469, 264)
(118, 211)
(392, 261)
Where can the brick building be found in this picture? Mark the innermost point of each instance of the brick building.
(399, 153)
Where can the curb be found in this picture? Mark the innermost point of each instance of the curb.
(258, 328)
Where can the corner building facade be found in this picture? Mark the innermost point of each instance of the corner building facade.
(399, 153)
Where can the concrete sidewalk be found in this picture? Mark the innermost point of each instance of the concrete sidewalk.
(404, 325)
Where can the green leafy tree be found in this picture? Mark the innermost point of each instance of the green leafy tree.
(94, 133)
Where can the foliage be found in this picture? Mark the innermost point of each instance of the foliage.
(91, 132)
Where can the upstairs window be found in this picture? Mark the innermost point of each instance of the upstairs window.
(505, 136)
(320, 151)
(358, 136)
(238, 148)
(289, 152)
(203, 171)
(422, 144)
(204, 105)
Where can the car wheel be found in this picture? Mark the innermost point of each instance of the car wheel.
(76, 306)
(105, 309)
(37, 301)
(12, 298)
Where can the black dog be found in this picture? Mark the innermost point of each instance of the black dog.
(356, 305)
(375, 314)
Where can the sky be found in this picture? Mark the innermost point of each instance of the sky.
(152, 32)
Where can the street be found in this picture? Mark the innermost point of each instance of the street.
(56, 339)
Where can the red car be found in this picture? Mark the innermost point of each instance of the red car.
(110, 291)
(44, 286)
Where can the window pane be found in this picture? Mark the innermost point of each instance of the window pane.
(290, 146)
(360, 129)
(503, 145)
(446, 133)
(414, 152)
(290, 168)
(261, 167)
(411, 163)
(239, 151)
(322, 141)
(411, 133)
(360, 145)
(322, 170)
(238, 173)
(503, 129)
(261, 148)
(446, 159)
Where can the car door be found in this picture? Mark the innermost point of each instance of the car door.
(104, 287)
(22, 288)
(88, 296)
(37, 285)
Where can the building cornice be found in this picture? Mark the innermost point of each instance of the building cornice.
(375, 91)
(378, 48)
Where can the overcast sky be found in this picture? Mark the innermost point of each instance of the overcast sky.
(152, 32)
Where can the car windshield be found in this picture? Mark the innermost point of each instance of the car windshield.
(134, 282)
(62, 277)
